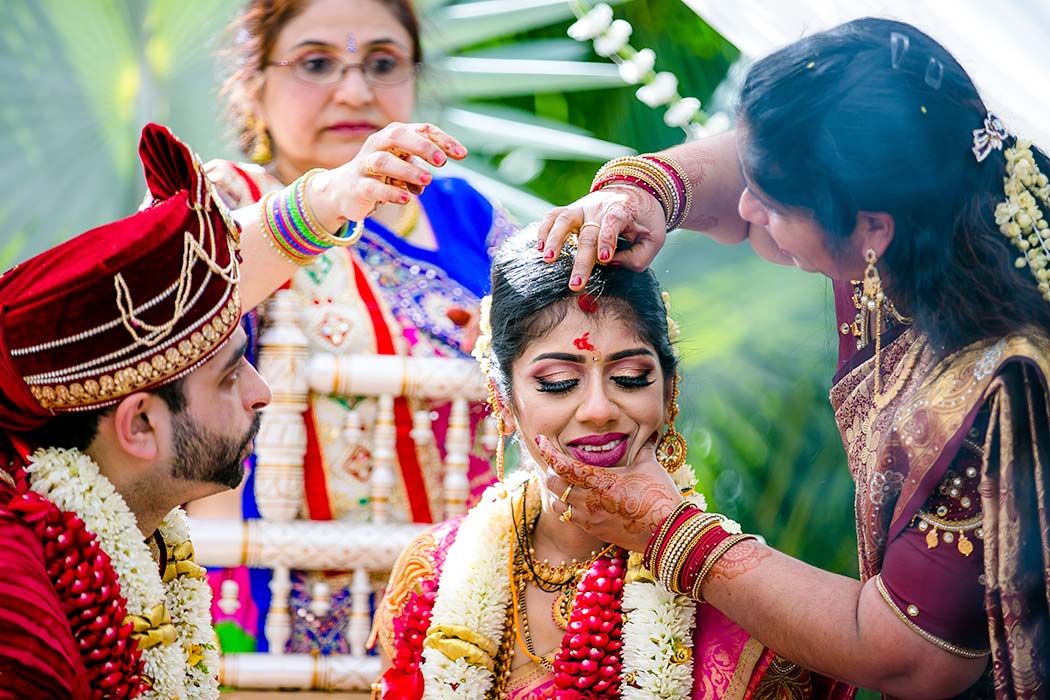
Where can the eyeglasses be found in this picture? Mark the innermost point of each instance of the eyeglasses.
(380, 68)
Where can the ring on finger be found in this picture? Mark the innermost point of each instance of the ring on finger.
(373, 173)
(585, 224)
(565, 496)
(567, 515)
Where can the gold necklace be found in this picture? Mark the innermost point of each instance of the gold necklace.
(518, 580)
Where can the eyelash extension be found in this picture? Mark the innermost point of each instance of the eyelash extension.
(634, 382)
(625, 382)
(559, 387)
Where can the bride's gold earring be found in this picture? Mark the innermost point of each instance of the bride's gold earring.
(500, 427)
(671, 449)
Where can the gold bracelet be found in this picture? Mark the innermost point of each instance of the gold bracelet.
(680, 544)
(651, 174)
(665, 528)
(687, 185)
(713, 558)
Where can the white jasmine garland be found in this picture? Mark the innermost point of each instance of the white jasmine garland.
(682, 112)
(614, 39)
(662, 90)
(473, 592)
(658, 628)
(633, 69)
(611, 40)
(73, 482)
(592, 24)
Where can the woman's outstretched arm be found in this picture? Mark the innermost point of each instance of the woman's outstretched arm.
(829, 623)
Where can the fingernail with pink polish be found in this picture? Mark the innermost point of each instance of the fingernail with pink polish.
(439, 158)
(576, 281)
(604, 254)
(539, 245)
(549, 255)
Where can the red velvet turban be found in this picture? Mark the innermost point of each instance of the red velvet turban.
(129, 306)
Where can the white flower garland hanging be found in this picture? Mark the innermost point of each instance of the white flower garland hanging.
(611, 39)
(185, 668)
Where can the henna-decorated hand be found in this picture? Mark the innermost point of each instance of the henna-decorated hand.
(622, 505)
(600, 218)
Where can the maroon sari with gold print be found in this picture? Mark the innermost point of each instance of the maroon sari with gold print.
(952, 468)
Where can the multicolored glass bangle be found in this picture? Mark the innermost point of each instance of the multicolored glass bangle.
(291, 228)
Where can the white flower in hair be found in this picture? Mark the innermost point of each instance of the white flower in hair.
(614, 38)
(662, 90)
(637, 66)
(482, 351)
(592, 24)
(682, 112)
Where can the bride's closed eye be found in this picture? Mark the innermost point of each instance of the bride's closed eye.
(555, 386)
(634, 381)
(624, 381)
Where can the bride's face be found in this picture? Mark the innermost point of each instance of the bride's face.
(592, 386)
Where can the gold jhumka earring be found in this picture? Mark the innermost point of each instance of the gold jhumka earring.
(262, 148)
(672, 448)
(500, 426)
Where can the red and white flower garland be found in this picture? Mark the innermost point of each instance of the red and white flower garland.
(104, 574)
(628, 636)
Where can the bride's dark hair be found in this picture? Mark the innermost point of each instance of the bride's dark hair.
(530, 297)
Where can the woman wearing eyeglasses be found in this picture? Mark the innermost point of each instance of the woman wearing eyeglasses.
(313, 80)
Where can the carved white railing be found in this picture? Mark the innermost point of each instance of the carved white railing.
(281, 541)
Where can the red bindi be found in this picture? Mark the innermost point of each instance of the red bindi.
(583, 342)
(587, 303)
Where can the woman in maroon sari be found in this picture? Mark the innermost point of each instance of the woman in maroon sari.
(865, 153)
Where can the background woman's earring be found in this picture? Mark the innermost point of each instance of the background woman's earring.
(872, 297)
(262, 151)
(672, 448)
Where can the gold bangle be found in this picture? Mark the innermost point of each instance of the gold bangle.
(687, 186)
(694, 531)
(315, 226)
(713, 558)
(652, 175)
(680, 544)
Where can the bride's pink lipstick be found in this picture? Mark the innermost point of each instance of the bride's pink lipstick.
(352, 128)
(604, 450)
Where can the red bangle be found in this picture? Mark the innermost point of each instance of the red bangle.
(609, 179)
(698, 555)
